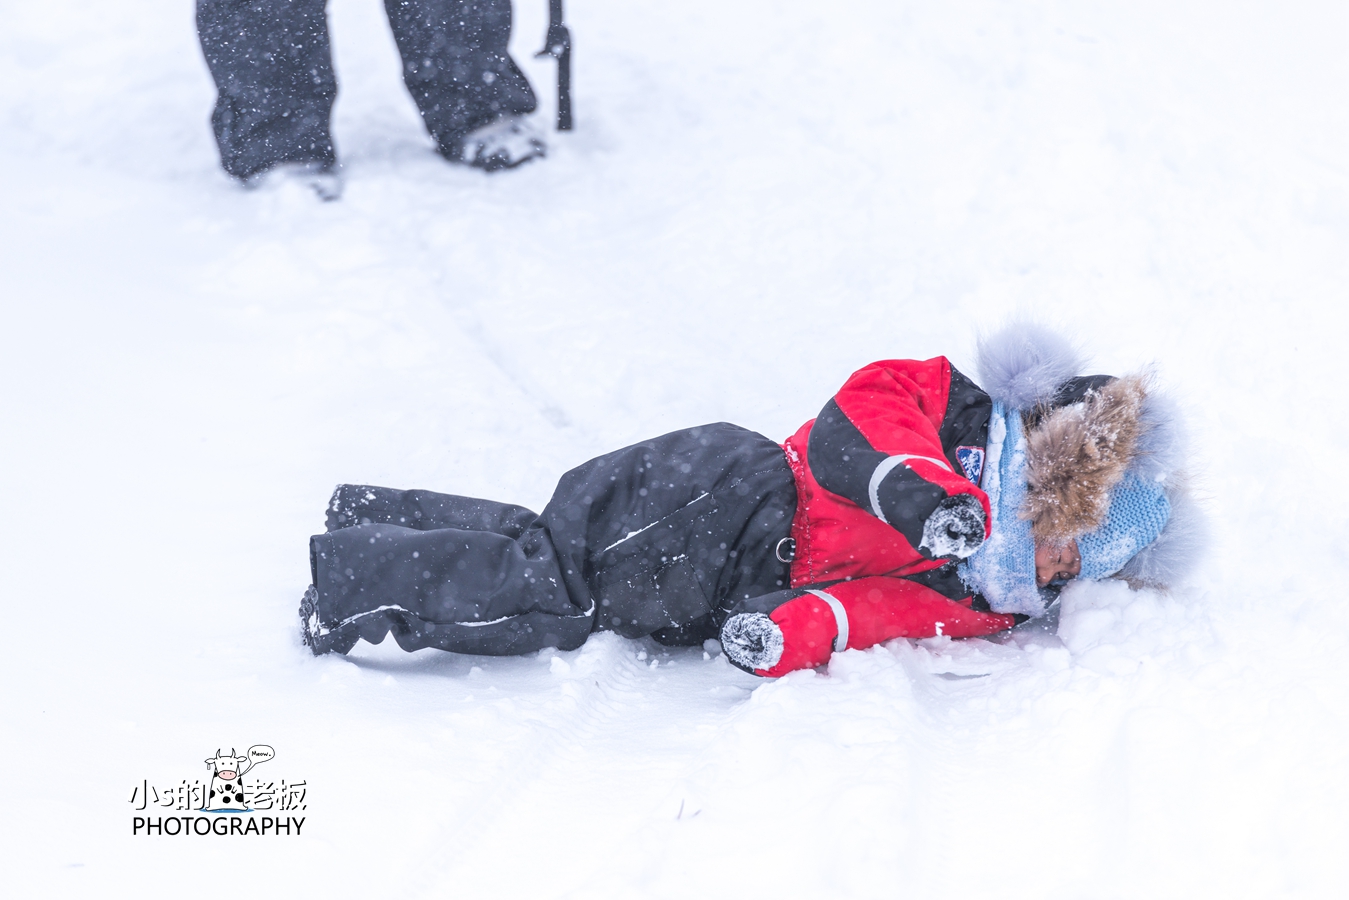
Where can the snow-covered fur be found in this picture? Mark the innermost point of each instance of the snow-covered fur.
(1078, 453)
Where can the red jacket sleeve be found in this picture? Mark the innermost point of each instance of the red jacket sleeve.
(870, 611)
(877, 444)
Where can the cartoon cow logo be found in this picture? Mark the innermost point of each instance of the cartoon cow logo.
(226, 793)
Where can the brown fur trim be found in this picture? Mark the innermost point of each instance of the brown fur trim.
(1076, 456)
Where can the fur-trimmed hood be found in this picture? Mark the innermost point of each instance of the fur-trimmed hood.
(1077, 454)
(1083, 435)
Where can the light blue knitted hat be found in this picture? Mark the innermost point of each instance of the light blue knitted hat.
(1138, 513)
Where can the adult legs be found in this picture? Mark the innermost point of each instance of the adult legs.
(273, 69)
(457, 68)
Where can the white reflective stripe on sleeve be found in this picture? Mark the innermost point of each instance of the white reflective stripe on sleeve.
(840, 619)
(885, 468)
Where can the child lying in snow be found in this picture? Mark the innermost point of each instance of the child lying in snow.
(915, 504)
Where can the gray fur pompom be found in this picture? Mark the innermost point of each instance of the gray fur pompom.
(1024, 363)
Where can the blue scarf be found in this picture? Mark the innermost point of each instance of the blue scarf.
(1003, 568)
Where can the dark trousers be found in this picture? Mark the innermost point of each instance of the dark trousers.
(664, 538)
(273, 70)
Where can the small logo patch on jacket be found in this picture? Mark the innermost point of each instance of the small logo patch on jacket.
(972, 461)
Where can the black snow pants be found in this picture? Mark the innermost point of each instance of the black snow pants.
(273, 70)
(665, 538)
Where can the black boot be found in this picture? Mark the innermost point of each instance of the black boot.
(318, 638)
(504, 144)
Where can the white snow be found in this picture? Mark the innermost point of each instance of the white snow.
(759, 198)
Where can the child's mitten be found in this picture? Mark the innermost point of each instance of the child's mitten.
(752, 641)
(955, 529)
(799, 634)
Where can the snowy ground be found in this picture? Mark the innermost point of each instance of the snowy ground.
(760, 197)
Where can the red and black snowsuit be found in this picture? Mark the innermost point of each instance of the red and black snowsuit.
(900, 438)
(683, 536)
